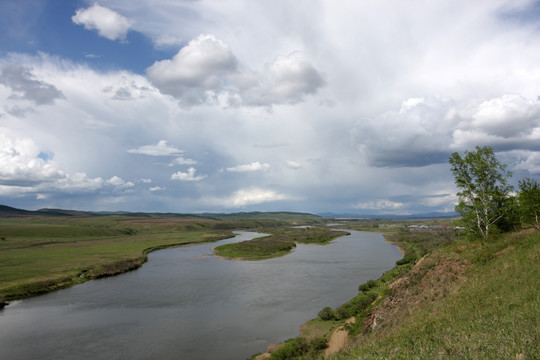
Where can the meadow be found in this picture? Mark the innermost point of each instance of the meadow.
(39, 254)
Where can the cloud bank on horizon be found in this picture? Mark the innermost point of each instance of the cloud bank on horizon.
(236, 106)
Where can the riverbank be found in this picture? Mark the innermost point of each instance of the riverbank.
(460, 300)
(278, 243)
(40, 254)
(104, 269)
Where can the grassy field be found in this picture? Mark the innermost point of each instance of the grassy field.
(488, 306)
(39, 254)
(447, 299)
(280, 242)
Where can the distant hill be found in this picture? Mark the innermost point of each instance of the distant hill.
(8, 210)
(255, 215)
(389, 216)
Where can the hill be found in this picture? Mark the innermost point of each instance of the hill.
(255, 215)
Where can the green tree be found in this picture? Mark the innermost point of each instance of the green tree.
(529, 201)
(484, 193)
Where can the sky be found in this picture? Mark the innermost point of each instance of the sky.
(187, 106)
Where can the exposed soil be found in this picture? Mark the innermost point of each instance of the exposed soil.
(432, 278)
(339, 339)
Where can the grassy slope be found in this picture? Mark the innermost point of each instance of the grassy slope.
(489, 311)
(461, 301)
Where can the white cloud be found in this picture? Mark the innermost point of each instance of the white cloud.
(293, 164)
(187, 176)
(108, 23)
(197, 72)
(157, 188)
(160, 149)
(379, 205)
(183, 161)
(290, 78)
(254, 166)
(253, 196)
(20, 163)
(207, 71)
(119, 182)
(78, 182)
(507, 116)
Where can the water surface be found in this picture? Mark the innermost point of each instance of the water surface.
(185, 303)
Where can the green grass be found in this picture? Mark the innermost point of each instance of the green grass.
(39, 254)
(463, 301)
(493, 314)
(279, 243)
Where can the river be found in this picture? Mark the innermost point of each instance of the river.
(185, 303)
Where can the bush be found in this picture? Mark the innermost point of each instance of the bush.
(409, 258)
(367, 285)
(355, 306)
(299, 348)
(326, 314)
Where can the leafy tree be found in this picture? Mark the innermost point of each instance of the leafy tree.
(484, 192)
(529, 201)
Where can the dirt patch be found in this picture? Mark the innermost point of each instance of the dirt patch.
(433, 277)
(339, 339)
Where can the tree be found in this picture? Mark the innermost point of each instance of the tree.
(484, 197)
(529, 201)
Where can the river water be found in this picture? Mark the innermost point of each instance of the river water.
(185, 303)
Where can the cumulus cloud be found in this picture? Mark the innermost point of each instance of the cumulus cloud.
(22, 82)
(157, 188)
(24, 169)
(20, 163)
(507, 116)
(197, 72)
(183, 161)
(253, 196)
(187, 176)
(290, 78)
(419, 134)
(426, 130)
(162, 148)
(254, 166)
(206, 69)
(77, 183)
(108, 23)
(119, 182)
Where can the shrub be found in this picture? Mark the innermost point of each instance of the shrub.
(299, 348)
(326, 314)
(355, 306)
(367, 285)
(409, 258)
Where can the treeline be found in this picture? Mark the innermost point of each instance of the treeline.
(488, 204)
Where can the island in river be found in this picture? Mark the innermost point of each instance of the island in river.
(280, 242)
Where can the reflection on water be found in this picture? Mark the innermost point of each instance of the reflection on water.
(185, 303)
